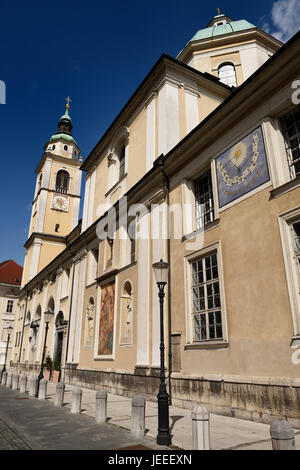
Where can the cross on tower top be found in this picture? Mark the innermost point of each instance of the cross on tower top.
(68, 100)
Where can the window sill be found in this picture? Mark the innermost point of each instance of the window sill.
(115, 186)
(128, 266)
(197, 232)
(285, 188)
(295, 341)
(207, 345)
(91, 284)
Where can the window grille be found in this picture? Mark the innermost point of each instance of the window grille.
(291, 131)
(206, 301)
(204, 201)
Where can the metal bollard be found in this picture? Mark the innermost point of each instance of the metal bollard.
(200, 428)
(33, 382)
(9, 379)
(101, 406)
(4, 378)
(282, 435)
(59, 396)
(22, 383)
(138, 405)
(76, 400)
(42, 389)
(15, 381)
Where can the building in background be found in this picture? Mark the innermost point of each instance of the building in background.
(10, 283)
(206, 150)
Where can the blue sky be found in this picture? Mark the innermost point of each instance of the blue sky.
(98, 53)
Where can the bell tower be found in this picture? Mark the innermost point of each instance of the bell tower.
(55, 207)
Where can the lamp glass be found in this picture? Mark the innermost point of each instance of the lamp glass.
(161, 271)
(9, 329)
(48, 315)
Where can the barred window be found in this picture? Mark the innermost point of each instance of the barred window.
(62, 182)
(291, 131)
(204, 200)
(206, 301)
(9, 306)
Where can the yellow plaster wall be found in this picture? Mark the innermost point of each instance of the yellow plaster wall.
(258, 311)
(137, 149)
(48, 253)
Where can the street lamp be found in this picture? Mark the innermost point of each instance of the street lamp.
(9, 331)
(47, 316)
(161, 271)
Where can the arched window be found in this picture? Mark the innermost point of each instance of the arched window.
(62, 181)
(38, 313)
(117, 156)
(122, 163)
(227, 74)
(51, 305)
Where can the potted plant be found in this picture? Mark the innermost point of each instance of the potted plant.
(56, 370)
(48, 367)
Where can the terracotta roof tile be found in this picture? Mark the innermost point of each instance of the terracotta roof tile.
(10, 272)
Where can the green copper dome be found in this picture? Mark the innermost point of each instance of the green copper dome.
(63, 136)
(64, 130)
(66, 116)
(219, 30)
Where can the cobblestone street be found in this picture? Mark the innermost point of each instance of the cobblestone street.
(10, 440)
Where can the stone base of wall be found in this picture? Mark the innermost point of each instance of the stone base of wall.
(260, 399)
(25, 368)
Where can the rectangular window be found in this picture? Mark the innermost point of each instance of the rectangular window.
(9, 306)
(206, 301)
(291, 131)
(204, 200)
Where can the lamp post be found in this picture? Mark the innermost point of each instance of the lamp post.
(9, 331)
(161, 270)
(47, 316)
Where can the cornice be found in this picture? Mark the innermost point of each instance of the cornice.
(57, 158)
(80, 256)
(38, 237)
(226, 39)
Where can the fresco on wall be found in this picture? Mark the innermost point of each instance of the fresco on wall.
(242, 168)
(106, 331)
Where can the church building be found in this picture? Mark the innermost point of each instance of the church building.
(201, 169)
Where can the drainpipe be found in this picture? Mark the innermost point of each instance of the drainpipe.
(24, 317)
(160, 163)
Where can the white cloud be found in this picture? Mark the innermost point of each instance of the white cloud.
(285, 18)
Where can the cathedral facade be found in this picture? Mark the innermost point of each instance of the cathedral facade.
(200, 169)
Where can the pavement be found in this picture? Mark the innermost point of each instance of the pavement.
(38, 424)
